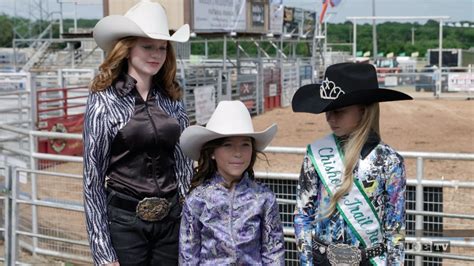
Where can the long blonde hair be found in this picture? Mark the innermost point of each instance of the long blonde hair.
(116, 63)
(352, 148)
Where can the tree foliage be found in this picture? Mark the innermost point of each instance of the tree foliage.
(27, 29)
(397, 37)
(6, 27)
(393, 37)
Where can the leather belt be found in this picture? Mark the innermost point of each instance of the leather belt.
(354, 255)
(150, 209)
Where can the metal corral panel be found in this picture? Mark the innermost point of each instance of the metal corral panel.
(289, 83)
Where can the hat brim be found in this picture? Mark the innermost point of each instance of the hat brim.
(194, 137)
(115, 27)
(307, 99)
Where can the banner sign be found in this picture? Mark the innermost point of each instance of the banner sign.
(461, 82)
(258, 15)
(219, 15)
(276, 19)
(205, 103)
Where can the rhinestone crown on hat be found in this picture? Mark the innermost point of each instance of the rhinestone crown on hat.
(329, 91)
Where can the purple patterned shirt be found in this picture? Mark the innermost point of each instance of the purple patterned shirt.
(222, 226)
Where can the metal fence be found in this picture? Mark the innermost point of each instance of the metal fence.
(41, 193)
(421, 219)
(46, 213)
(454, 82)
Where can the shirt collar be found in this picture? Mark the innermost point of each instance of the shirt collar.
(124, 84)
(372, 141)
(218, 179)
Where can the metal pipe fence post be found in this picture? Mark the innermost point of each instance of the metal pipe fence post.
(219, 85)
(8, 216)
(13, 218)
(354, 39)
(259, 88)
(419, 206)
(34, 196)
(440, 60)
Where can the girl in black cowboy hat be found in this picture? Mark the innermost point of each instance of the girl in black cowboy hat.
(351, 192)
(134, 169)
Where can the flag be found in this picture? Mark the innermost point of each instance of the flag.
(332, 3)
(323, 11)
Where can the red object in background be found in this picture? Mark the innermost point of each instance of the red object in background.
(70, 124)
(54, 108)
(271, 88)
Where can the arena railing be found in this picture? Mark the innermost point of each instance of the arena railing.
(283, 184)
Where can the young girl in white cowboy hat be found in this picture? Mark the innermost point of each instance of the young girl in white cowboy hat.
(351, 193)
(228, 218)
(134, 169)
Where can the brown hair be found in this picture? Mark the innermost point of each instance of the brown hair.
(206, 167)
(352, 148)
(116, 63)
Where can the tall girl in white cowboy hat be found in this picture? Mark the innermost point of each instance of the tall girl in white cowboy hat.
(228, 218)
(351, 193)
(134, 169)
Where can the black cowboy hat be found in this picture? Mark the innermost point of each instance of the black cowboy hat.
(344, 84)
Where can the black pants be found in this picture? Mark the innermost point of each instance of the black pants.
(138, 242)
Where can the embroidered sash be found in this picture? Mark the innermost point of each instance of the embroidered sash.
(355, 207)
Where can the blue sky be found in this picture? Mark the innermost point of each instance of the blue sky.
(458, 10)
(84, 8)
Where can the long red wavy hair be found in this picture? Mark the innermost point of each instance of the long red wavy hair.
(116, 63)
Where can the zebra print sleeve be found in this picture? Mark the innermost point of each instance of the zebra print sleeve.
(97, 138)
(184, 165)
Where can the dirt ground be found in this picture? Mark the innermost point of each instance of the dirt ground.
(433, 125)
(421, 125)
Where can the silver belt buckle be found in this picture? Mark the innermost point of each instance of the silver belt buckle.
(342, 254)
(153, 209)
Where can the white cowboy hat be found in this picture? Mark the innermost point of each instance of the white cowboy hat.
(231, 118)
(145, 19)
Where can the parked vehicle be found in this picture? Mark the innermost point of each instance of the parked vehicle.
(386, 66)
(426, 80)
(451, 57)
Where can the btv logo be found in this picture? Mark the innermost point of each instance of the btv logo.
(436, 246)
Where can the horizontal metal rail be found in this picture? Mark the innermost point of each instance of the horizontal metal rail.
(407, 154)
(440, 255)
(65, 240)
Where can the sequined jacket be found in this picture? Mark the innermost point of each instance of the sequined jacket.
(222, 226)
(384, 182)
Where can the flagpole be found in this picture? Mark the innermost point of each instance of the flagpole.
(374, 32)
